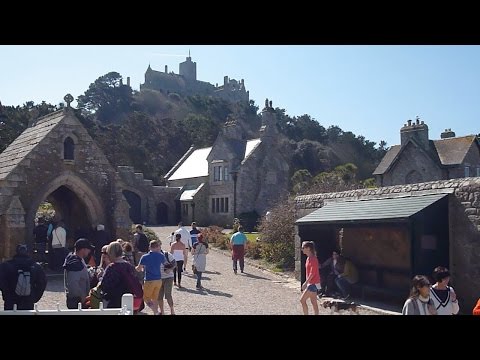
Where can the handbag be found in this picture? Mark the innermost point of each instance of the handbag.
(194, 269)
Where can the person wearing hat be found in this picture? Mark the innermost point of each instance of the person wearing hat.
(34, 284)
(76, 278)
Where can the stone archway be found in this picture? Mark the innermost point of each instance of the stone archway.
(77, 204)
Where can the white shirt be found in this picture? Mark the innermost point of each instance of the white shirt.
(167, 274)
(59, 236)
(185, 239)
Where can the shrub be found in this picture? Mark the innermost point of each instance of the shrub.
(214, 235)
(278, 234)
(254, 250)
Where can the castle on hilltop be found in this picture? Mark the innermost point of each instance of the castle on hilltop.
(186, 83)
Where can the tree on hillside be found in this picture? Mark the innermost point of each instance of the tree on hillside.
(201, 130)
(107, 97)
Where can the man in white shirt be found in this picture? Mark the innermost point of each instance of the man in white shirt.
(59, 243)
(186, 240)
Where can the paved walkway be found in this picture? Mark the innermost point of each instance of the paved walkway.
(256, 292)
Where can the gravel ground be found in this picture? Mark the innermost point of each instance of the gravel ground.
(256, 292)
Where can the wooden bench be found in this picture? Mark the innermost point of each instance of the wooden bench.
(379, 287)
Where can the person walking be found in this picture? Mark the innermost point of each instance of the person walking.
(312, 282)
(419, 302)
(76, 278)
(151, 263)
(23, 281)
(178, 251)
(167, 282)
(239, 245)
(443, 296)
(199, 252)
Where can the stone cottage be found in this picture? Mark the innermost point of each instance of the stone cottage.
(418, 159)
(232, 177)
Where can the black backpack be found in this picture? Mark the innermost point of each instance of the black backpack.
(143, 243)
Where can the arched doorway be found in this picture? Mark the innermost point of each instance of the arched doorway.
(162, 214)
(135, 203)
(73, 201)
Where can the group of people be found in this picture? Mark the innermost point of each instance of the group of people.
(425, 299)
(436, 299)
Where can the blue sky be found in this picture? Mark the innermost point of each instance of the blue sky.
(369, 90)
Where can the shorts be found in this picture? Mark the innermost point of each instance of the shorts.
(312, 288)
(151, 289)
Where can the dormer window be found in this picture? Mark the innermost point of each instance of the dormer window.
(68, 149)
(217, 173)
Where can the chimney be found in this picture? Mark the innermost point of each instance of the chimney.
(225, 80)
(128, 80)
(166, 69)
(416, 130)
(232, 129)
(448, 133)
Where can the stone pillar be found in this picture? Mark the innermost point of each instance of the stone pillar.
(14, 227)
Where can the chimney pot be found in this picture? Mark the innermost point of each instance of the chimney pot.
(409, 122)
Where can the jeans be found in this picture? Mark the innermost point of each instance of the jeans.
(178, 270)
(242, 264)
(343, 285)
(199, 279)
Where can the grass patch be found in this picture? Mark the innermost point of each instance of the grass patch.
(252, 236)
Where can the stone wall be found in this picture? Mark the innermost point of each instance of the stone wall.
(464, 226)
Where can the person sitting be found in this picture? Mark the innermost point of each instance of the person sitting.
(329, 271)
(347, 278)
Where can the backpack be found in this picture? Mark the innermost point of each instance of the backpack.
(169, 264)
(143, 243)
(24, 286)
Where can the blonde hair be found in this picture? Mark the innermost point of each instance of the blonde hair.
(154, 244)
(114, 250)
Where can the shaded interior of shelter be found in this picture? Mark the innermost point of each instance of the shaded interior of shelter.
(70, 209)
(387, 253)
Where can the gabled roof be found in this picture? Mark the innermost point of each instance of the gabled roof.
(387, 160)
(27, 141)
(189, 194)
(196, 165)
(452, 151)
(445, 152)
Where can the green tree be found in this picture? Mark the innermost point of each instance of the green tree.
(107, 97)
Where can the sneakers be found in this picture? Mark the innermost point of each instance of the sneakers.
(235, 271)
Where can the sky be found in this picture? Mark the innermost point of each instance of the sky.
(369, 90)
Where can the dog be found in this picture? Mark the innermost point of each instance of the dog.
(337, 305)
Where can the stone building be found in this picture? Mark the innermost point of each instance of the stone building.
(232, 177)
(393, 233)
(186, 83)
(418, 159)
(56, 160)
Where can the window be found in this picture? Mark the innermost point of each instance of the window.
(220, 205)
(68, 149)
(226, 175)
(478, 171)
(467, 171)
(185, 209)
(217, 173)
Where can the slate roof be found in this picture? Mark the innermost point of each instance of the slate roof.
(18, 150)
(399, 208)
(450, 151)
(196, 165)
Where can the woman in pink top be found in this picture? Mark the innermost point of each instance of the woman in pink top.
(312, 283)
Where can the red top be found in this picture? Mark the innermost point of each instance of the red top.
(476, 310)
(311, 267)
